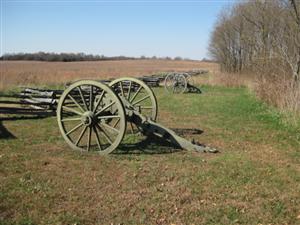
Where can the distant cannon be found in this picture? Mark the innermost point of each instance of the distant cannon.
(179, 83)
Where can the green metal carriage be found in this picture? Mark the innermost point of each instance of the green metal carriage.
(94, 116)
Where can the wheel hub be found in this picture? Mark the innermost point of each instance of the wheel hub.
(87, 118)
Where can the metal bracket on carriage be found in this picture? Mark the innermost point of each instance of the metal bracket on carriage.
(147, 126)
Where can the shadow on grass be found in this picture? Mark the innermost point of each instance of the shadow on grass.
(150, 145)
(153, 144)
(185, 131)
(6, 134)
(193, 89)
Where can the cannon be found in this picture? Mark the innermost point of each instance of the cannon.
(179, 83)
(93, 116)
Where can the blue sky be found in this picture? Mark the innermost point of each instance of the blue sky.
(120, 27)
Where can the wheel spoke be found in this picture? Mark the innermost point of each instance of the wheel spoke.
(80, 136)
(116, 123)
(131, 128)
(147, 107)
(132, 125)
(71, 119)
(74, 129)
(108, 117)
(97, 138)
(89, 139)
(142, 99)
(106, 107)
(82, 97)
(111, 128)
(129, 89)
(98, 102)
(91, 98)
(135, 94)
(104, 134)
(71, 110)
(121, 87)
(76, 103)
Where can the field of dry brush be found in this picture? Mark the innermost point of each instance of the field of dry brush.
(15, 73)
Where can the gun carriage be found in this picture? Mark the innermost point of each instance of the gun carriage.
(93, 116)
(179, 83)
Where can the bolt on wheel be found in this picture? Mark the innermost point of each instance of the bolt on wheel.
(91, 117)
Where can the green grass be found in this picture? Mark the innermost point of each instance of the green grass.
(255, 179)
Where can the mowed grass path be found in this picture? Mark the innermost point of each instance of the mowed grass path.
(255, 179)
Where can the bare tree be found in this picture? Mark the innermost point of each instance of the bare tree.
(258, 33)
(288, 37)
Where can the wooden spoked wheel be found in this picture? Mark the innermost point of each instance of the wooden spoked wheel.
(136, 94)
(169, 82)
(180, 84)
(91, 117)
(175, 83)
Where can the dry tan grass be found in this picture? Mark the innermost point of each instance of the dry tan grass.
(217, 78)
(15, 73)
(280, 92)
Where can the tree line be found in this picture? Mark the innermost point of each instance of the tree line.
(73, 57)
(257, 34)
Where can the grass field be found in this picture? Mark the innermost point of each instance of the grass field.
(255, 179)
(14, 73)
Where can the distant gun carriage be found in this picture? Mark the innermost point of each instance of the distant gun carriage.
(178, 83)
